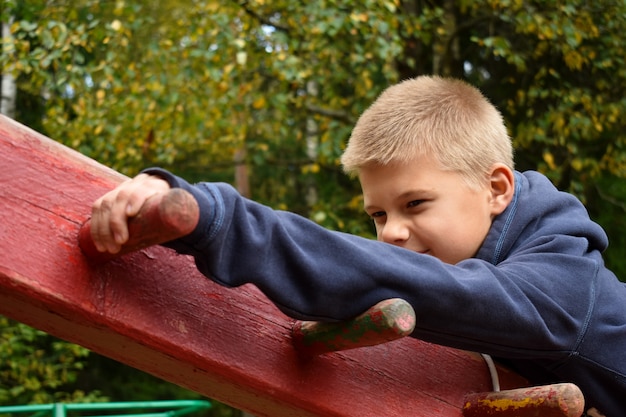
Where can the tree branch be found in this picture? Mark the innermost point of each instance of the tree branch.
(332, 113)
(261, 19)
(610, 199)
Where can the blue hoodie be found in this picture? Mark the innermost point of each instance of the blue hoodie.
(536, 296)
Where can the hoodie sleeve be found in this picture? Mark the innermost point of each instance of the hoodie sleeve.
(312, 273)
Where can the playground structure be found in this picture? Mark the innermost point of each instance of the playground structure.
(151, 309)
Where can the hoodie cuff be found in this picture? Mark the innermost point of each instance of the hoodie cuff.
(208, 204)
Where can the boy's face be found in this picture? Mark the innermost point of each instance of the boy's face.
(423, 208)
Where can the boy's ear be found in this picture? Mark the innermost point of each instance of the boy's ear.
(502, 187)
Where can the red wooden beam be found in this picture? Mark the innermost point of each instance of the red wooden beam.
(152, 310)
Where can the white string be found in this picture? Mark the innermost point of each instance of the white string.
(495, 380)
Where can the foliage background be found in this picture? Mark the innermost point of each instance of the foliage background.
(264, 94)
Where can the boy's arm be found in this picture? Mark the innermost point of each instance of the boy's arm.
(314, 274)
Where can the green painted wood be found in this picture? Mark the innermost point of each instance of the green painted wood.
(386, 321)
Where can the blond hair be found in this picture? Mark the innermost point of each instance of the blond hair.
(429, 115)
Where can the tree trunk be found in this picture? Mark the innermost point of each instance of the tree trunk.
(446, 47)
(242, 180)
(8, 87)
(311, 147)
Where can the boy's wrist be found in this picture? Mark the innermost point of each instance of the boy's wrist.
(165, 175)
(207, 204)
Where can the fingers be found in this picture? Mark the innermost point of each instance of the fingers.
(101, 232)
(110, 213)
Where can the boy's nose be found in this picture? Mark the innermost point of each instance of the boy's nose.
(394, 231)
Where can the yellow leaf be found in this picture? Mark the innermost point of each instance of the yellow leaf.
(359, 17)
(116, 25)
(559, 123)
(549, 159)
(259, 103)
(310, 169)
(241, 57)
(574, 60)
(228, 69)
(356, 202)
(213, 6)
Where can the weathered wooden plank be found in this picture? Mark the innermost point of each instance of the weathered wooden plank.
(152, 310)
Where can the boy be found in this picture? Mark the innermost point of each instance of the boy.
(492, 260)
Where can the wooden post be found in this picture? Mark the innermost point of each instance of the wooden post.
(386, 321)
(557, 400)
(153, 310)
(162, 218)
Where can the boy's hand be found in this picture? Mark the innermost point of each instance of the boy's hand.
(110, 213)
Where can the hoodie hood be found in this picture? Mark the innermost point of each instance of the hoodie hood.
(538, 213)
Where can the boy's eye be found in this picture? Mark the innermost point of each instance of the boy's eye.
(414, 203)
(378, 216)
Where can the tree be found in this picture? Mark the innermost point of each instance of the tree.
(38, 368)
(8, 87)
